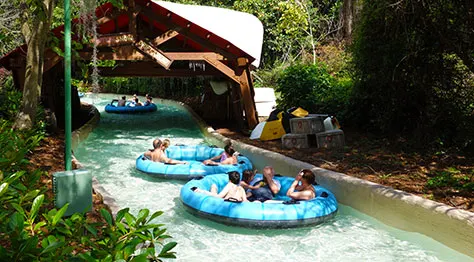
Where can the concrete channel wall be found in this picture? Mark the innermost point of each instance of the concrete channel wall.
(448, 225)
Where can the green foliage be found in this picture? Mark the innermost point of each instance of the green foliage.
(10, 97)
(314, 89)
(409, 79)
(452, 177)
(31, 231)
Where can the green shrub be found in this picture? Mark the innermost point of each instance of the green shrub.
(10, 98)
(31, 231)
(314, 89)
(409, 80)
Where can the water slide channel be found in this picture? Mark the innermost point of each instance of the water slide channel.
(110, 152)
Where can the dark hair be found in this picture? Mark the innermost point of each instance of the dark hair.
(136, 100)
(156, 143)
(247, 175)
(149, 97)
(309, 176)
(123, 97)
(234, 177)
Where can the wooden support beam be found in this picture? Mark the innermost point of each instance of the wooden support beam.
(130, 53)
(223, 68)
(109, 17)
(132, 22)
(193, 56)
(51, 61)
(154, 53)
(115, 40)
(151, 69)
(185, 32)
(164, 37)
(249, 105)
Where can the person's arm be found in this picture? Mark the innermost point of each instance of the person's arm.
(243, 195)
(147, 154)
(224, 191)
(245, 185)
(301, 195)
(273, 187)
(172, 161)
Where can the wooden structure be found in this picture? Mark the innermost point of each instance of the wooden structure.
(161, 39)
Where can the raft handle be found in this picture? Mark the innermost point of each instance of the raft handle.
(233, 200)
(291, 202)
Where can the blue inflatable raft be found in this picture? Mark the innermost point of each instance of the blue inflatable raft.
(276, 214)
(129, 108)
(194, 155)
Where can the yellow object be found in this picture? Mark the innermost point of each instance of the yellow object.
(272, 130)
(299, 112)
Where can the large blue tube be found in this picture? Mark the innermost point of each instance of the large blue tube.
(194, 155)
(130, 109)
(256, 214)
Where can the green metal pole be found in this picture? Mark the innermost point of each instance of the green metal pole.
(67, 85)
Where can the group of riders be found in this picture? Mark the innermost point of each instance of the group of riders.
(249, 188)
(134, 101)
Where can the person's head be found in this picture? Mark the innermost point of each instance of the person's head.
(157, 143)
(234, 177)
(269, 172)
(228, 147)
(149, 99)
(134, 95)
(123, 97)
(166, 143)
(308, 177)
(248, 176)
(136, 100)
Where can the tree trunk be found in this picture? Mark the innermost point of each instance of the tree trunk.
(348, 16)
(36, 34)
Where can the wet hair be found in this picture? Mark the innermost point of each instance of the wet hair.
(166, 143)
(228, 147)
(309, 176)
(123, 97)
(247, 176)
(136, 100)
(157, 143)
(234, 177)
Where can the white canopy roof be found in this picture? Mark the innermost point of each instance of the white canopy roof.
(243, 30)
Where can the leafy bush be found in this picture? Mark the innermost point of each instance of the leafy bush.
(314, 89)
(409, 80)
(31, 231)
(451, 177)
(10, 98)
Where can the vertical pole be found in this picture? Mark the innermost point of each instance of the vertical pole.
(67, 85)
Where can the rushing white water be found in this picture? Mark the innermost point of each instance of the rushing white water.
(110, 153)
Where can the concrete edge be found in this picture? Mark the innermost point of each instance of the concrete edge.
(107, 198)
(83, 132)
(450, 226)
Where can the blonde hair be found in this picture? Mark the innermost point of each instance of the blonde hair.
(166, 143)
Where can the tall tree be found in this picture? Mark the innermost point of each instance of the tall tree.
(35, 28)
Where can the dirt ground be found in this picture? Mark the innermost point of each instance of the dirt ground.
(383, 162)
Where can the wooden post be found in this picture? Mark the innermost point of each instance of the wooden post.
(246, 87)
